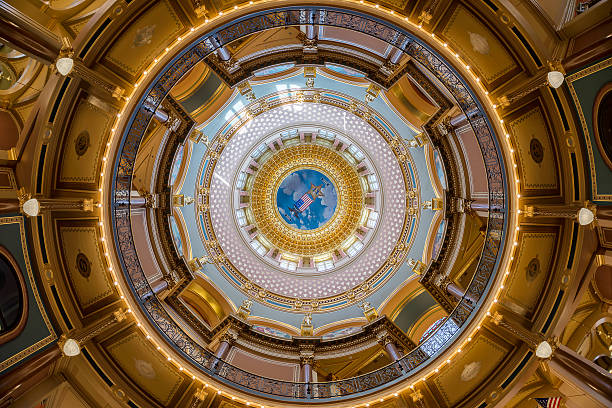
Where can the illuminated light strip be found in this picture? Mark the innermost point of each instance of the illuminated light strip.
(444, 46)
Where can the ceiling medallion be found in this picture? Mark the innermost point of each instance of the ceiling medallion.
(333, 252)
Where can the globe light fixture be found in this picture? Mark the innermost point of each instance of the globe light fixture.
(555, 79)
(64, 65)
(585, 216)
(544, 350)
(31, 207)
(71, 348)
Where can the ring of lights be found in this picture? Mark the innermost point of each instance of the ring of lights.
(462, 322)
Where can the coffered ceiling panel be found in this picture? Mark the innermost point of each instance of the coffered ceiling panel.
(88, 130)
(145, 366)
(475, 365)
(533, 263)
(531, 133)
(145, 39)
(86, 272)
(470, 36)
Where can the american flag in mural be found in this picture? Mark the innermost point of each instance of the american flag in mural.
(549, 402)
(303, 202)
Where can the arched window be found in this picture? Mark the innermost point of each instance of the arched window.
(13, 297)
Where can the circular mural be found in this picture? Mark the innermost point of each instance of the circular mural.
(306, 199)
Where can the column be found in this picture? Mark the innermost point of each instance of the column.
(222, 52)
(161, 115)
(310, 31)
(224, 56)
(459, 293)
(462, 119)
(137, 201)
(143, 199)
(390, 64)
(309, 40)
(566, 363)
(159, 286)
(479, 204)
(582, 373)
(385, 340)
(306, 361)
(28, 36)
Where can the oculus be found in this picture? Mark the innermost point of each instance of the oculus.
(306, 199)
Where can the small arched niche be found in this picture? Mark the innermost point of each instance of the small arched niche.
(13, 297)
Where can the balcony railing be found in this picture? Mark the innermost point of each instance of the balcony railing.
(419, 51)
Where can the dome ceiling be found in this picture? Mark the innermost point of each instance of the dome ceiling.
(233, 242)
(346, 204)
(375, 222)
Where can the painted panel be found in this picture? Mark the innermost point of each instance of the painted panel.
(38, 331)
(145, 39)
(584, 86)
(146, 366)
(478, 45)
(533, 262)
(476, 364)
(532, 138)
(89, 128)
(86, 274)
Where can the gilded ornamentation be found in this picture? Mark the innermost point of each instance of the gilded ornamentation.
(83, 265)
(533, 269)
(536, 150)
(336, 230)
(81, 144)
(460, 316)
(470, 371)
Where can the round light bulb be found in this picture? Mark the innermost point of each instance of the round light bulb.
(64, 65)
(71, 348)
(544, 350)
(31, 207)
(585, 216)
(555, 79)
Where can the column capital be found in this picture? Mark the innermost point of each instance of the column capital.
(306, 356)
(230, 336)
(383, 337)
